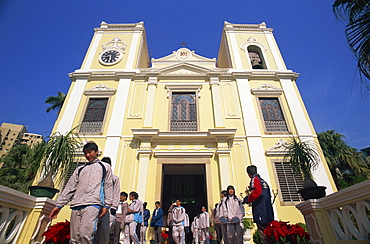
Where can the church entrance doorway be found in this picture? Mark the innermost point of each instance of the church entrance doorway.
(186, 182)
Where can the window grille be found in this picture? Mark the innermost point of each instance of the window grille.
(94, 116)
(289, 182)
(184, 112)
(72, 169)
(272, 115)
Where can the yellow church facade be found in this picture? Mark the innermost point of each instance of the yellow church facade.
(186, 126)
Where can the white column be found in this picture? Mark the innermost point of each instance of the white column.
(143, 174)
(252, 128)
(301, 123)
(224, 169)
(216, 100)
(93, 50)
(132, 55)
(73, 102)
(149, 108)
(116, 122)
(275, 51)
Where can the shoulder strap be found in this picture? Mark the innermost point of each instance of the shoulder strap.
(104, 171)
(103, 168)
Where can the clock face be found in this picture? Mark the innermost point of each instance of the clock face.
(110, 57)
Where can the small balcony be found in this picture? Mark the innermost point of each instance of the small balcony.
(183, 125)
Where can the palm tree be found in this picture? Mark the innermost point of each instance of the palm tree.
(340, 157)
(357, 15)
(60, 154)
(56, 102)
(303, 158)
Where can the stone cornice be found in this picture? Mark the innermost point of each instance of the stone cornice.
(210, 135)
(120, 27)
(247, 27)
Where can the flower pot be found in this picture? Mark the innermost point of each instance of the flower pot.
(247, 236)
(313, 192)
(43, 191)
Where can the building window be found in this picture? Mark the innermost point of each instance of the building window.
(71, 170)
(184, 112)
(272, 115)
(94, 116)
(289, 182)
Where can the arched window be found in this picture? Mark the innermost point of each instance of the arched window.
(256, 58)
(272, 115)
(184, 113)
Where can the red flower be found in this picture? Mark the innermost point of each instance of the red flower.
(282, 232)
(58, 233)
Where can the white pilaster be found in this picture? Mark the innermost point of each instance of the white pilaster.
(216, 100)
(93, 50)
(143, 174)
(274, 50)
(224, 169)
(235, 50)
(73, 103)
(134, 46)
(118, 114)
(299, 117)
(152, 85)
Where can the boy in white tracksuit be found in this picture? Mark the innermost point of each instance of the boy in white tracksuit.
(89, 191)
(104, 230)
(204, 226)
(195, 229)
(133, 212)
(178, 216)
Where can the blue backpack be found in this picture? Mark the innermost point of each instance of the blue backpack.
(138, 217)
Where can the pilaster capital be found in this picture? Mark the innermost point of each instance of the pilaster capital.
(153, 78)
(223, 152)
(79, 76)
(125, 75)
(287, 75)
(214, 77)
(242, 75)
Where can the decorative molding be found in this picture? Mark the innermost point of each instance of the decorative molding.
(252, 41)
(266, 89)
(186, 154)
(278, 149)
(184, 54)
(115, 44)
(100, 90)
(183, 88)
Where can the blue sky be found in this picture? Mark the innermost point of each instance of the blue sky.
(42, 41)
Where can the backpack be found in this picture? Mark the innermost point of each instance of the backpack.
(138, 217)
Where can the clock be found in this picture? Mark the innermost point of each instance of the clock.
(110, 57)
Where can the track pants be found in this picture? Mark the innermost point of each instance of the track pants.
(83, 225)
(177, 234)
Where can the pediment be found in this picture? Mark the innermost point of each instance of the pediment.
(183, 55)
(280, 148)
(184, 69)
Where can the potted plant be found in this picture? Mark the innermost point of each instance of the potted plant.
(303, 157)
(58, 233)
(248, 226)
(282, 232)
(58, 158)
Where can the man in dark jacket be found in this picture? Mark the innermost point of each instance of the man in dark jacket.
(260, 198)
(157, 222)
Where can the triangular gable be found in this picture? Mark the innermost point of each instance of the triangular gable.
(184, 68)
(183, 55)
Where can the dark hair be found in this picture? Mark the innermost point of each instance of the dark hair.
(224, 192)
(204, 207)
(134, 194)
(90, 146)
(158, 202)
(216, 205)
(251, 169)
(144, 204)
(124, 194)
(229, 188)
(107, 160)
